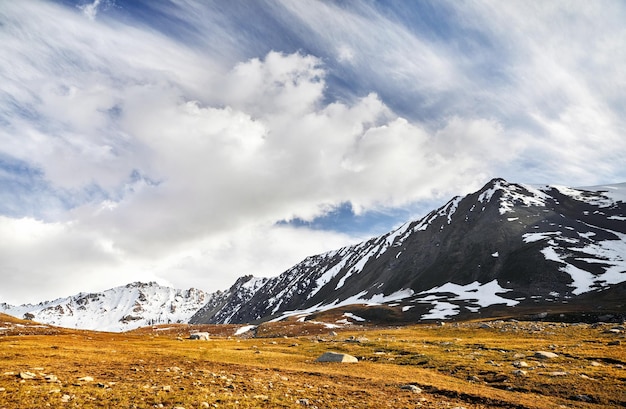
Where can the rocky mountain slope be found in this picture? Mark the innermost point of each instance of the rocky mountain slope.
(503, 246)
(118, 309)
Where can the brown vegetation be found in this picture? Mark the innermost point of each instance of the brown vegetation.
(470, 365)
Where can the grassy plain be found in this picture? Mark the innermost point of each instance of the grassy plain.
(463, 365)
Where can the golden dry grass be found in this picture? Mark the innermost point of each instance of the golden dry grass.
(459, 365)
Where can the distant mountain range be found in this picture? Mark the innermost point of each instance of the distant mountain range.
(508, 249)
(118, 309)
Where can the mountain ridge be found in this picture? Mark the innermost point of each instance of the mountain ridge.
(505, 245)
(117, 309)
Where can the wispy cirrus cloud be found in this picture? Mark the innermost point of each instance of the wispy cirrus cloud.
(177, 140)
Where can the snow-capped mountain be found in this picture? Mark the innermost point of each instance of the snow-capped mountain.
(117, 309)
(505, 245)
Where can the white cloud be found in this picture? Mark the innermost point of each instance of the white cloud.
(202, 156)
(91, 9)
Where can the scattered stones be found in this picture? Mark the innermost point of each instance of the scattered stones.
(336, 357)
(411, 388)
(545, 355)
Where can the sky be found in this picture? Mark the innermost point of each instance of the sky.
(193, 142)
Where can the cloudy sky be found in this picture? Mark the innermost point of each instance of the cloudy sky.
(192, 142)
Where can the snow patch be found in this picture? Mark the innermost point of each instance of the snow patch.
(244, 329)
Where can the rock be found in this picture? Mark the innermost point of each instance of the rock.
(484, 325)
(303, 402)
(545, 355)
(557, 373)
(519, 372)
(65, 398)
(583, 398)
(332, 334)
(520, 364)
(613, 343)
(27, 375)
(85, 379)
(201, 336)
(51, 378)
(411, 388)
(336, 357)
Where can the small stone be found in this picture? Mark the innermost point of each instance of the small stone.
(520, 372)
(336, 357)
(545, 355)
(167, 388)
(2, 389)
(520, 364)
(85, 379)
(261, 397)
(411, 388)
(583, 398)
(65, 398)
(205, 405)
(557, 373)
(51, 378)
(594, 363)
(27, 375)
(303, 402)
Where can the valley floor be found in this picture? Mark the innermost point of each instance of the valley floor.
(464, 365)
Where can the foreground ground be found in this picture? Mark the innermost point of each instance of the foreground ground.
(464, 365)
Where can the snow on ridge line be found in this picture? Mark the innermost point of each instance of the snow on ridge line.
(376, 299)
(118, 309)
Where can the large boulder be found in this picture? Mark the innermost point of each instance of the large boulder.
(336, 357)
(202, 336)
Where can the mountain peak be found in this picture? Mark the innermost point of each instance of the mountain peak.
(507, 244)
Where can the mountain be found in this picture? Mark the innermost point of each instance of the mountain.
(117, 309)
(507, 245)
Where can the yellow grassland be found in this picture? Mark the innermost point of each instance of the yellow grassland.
(456, 366)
